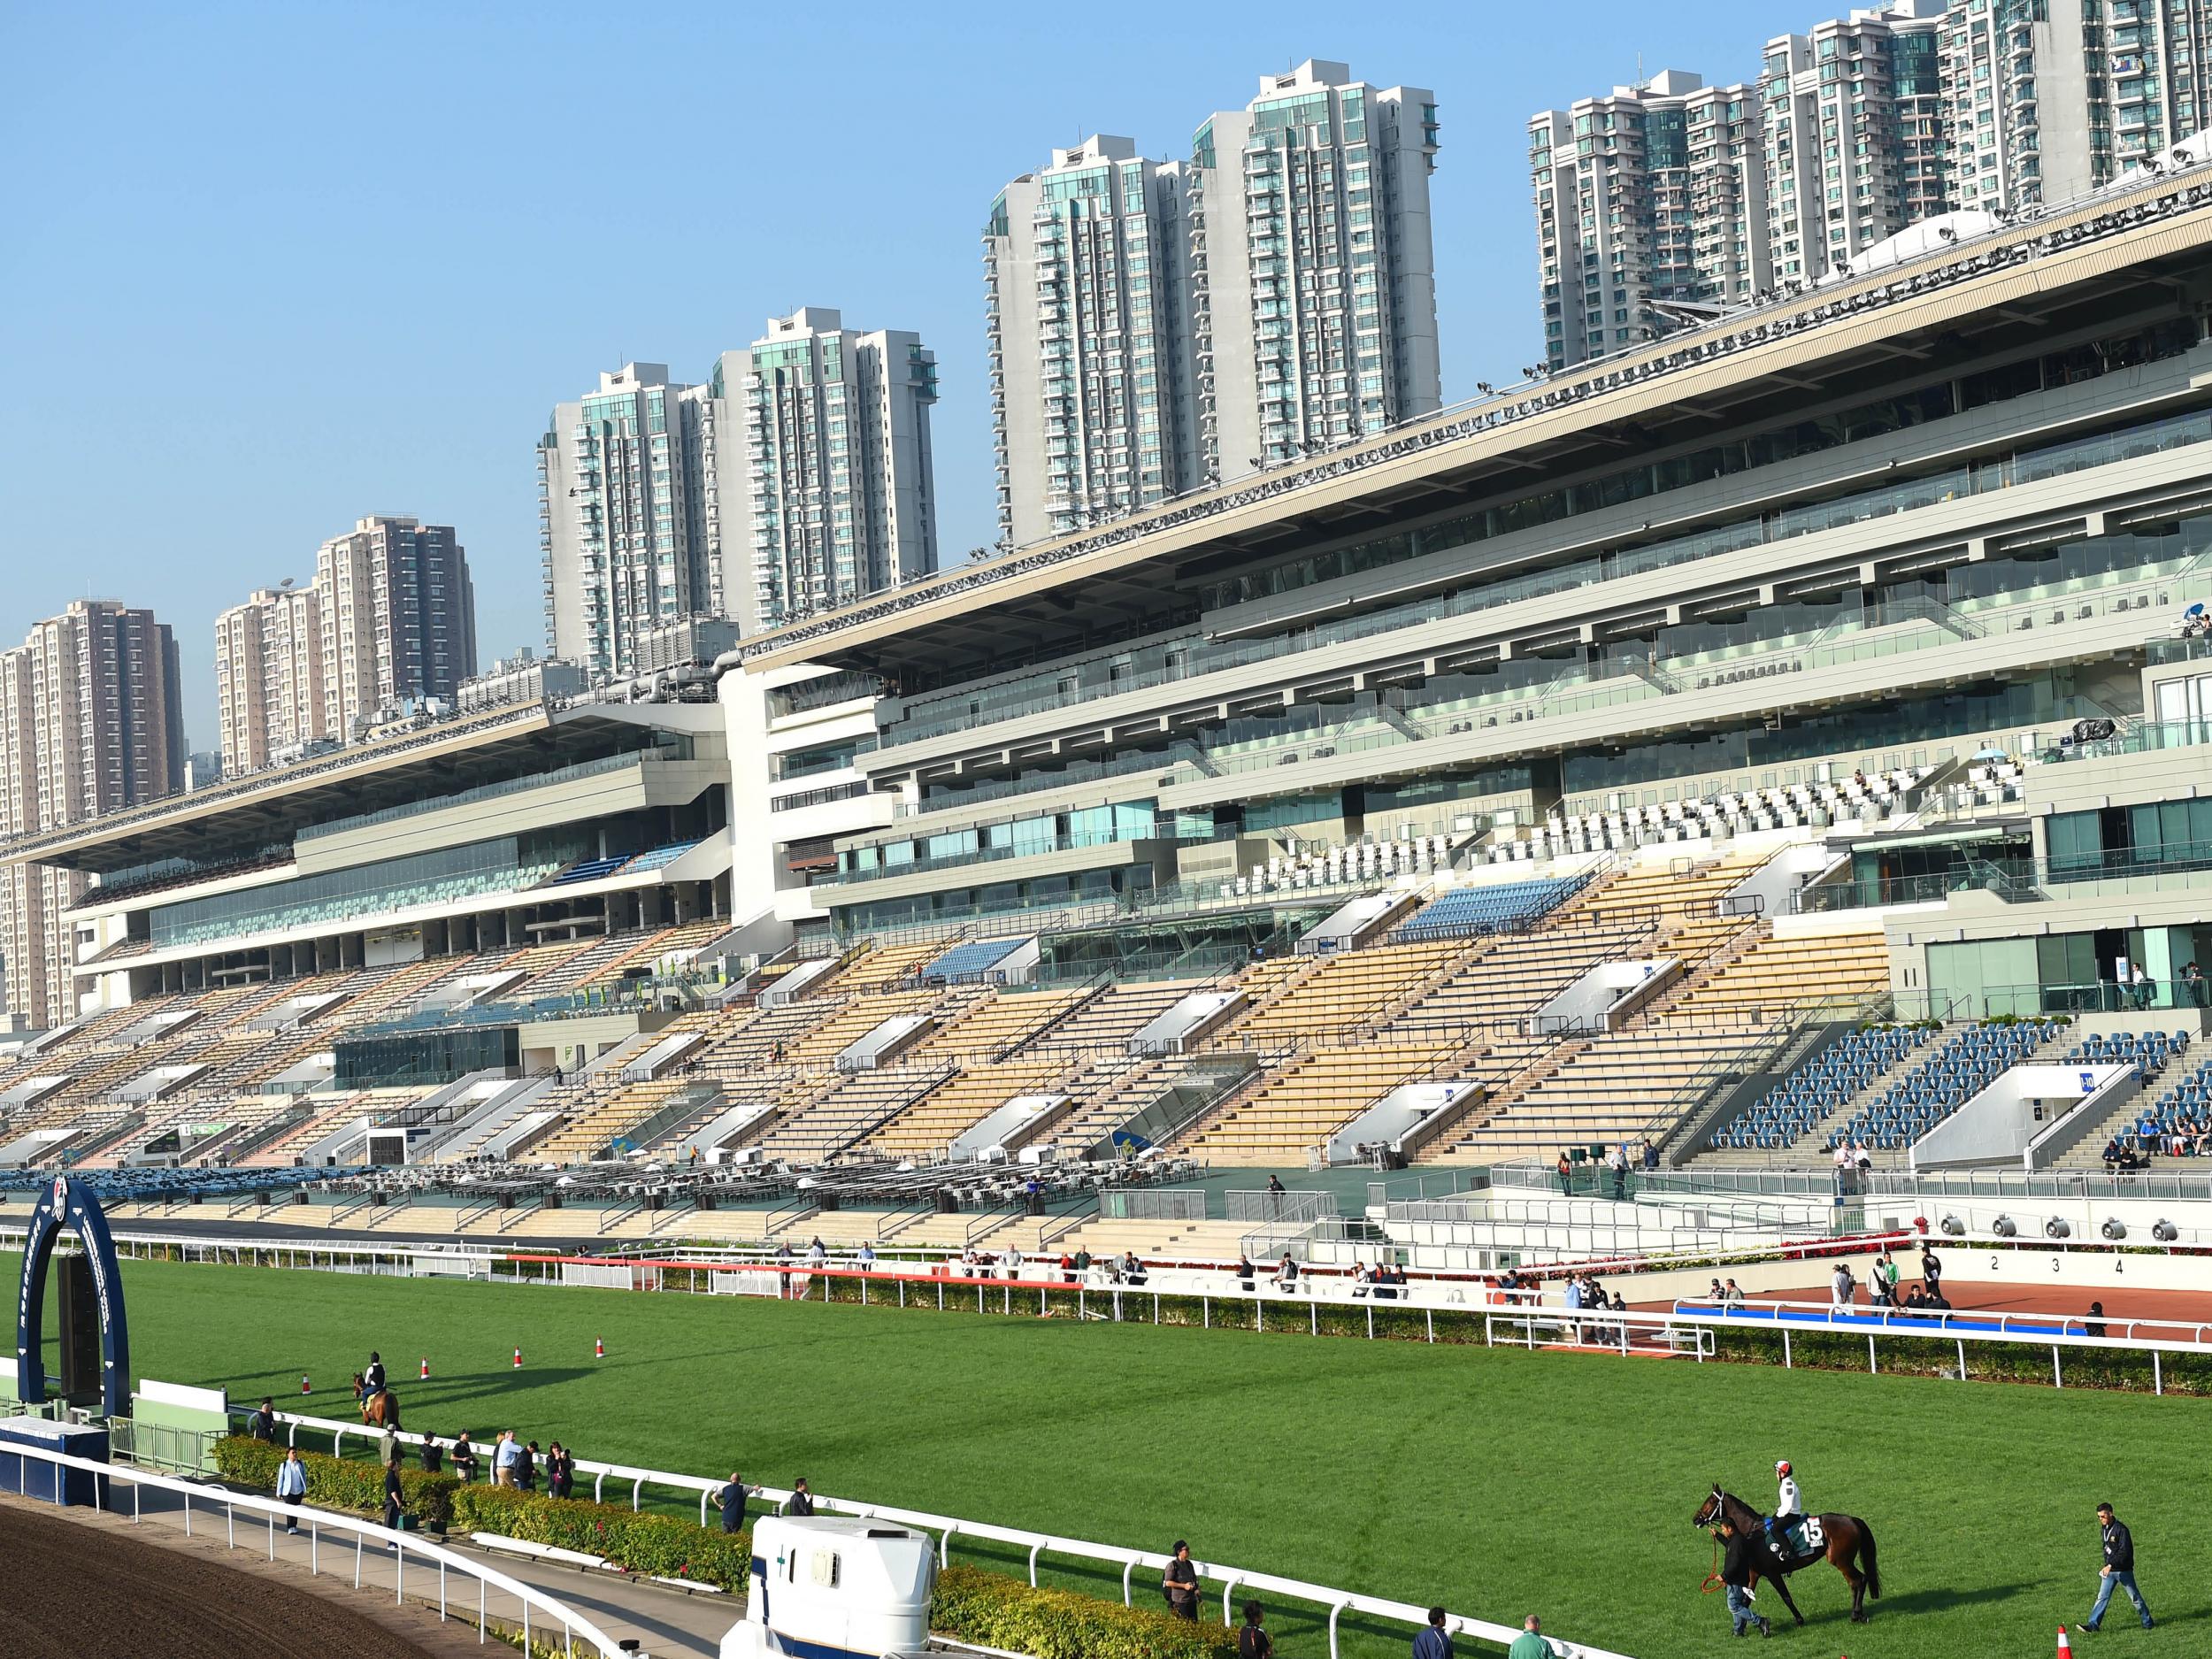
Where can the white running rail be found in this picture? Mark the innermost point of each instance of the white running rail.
(1231, 1580)
(574, 1626)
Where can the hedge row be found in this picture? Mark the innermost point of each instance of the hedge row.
(334, 1483)
(1986, 1361)
(988, 1608)
(664, 1545)
(992, 1611)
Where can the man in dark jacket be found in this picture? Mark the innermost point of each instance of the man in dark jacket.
(733, 1496)
(802, 1499)
(1743, 1556)
(2119, 1569)
(262, 1423)
(1434, 1642)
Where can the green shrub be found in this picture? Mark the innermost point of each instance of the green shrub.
(336, 1482)
(662, 1546)
(992, 1611)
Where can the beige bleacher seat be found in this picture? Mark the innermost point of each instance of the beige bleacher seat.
(1108, 1019)
(926, 1128)
(819, 1047)
(871, 970)
(1621, 1084)
(849, 1111)
(1298, 1108)
(988, 1026)
(1342, 993)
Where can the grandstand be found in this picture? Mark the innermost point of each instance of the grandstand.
(1766, 759)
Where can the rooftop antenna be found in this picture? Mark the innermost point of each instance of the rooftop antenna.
(1641, 83)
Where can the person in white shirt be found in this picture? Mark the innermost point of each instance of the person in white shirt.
(1014, 1263)
(1789, 1504)
(1842, 1286)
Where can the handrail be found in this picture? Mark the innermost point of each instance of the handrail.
(573, 1624)
(948, 1527)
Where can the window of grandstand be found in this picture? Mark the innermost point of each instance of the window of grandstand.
(391, 884)
(1139, 667)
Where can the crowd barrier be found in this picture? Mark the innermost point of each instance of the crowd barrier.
(1233, 1580)
(574, 1625)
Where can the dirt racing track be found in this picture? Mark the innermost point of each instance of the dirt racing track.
(77, 1589)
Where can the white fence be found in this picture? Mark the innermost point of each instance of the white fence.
(1693, 1328)
(574, 1626)
(1231, 1580)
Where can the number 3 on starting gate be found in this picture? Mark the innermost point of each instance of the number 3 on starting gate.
(1814, 1537)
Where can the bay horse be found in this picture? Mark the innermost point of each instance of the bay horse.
(1844, 1541)
(379, 1409)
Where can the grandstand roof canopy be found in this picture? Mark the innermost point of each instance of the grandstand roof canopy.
(250, 811)
(1119, 581)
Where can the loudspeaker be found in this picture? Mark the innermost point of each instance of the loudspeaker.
(81, 1373)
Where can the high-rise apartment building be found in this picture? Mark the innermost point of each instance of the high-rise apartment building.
(90, 720)
(1155, 325)
(2044, 101)
(629, 523)
(1865, 124)
(1650, 198)
(390, 616)
(269, 675)
(818, 438)
(398, 616)
(1083, 266)
(1852, 117)
(1312, 267)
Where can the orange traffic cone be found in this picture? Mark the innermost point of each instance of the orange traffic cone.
(303, 1388)
(598, 1348)
(426, 1371)
(517, 1359)
(2065, 1648)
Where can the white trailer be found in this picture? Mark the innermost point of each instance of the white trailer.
(832, 1587)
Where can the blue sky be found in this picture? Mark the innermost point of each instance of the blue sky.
(268, 269)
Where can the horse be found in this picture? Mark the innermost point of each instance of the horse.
(379, 1409)
(1844, 1540)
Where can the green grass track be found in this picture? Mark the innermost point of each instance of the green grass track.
(1496, 1481)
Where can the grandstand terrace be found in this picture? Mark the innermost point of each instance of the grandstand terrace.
(543, 828)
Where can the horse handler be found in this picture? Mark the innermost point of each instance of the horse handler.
(1736, 1568)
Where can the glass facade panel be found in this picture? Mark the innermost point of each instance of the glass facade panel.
(390, 884)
